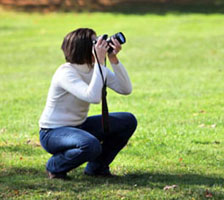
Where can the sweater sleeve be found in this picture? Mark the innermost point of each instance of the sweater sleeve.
(71, 81)
(119, 80)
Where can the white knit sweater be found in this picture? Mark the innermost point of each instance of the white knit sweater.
(74, 87)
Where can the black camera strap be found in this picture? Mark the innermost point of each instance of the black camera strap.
(105, 112)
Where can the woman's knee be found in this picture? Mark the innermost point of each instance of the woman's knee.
(132, 120)
(132, 124)
(128, 124)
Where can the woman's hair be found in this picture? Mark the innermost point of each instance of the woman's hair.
(77, 46)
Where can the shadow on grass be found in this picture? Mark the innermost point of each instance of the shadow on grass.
(23, 178)
(177, 179)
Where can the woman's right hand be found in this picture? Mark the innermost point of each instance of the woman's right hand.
(101, 48)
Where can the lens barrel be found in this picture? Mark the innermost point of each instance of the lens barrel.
(120, 37)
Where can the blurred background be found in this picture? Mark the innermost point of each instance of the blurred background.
(113, 5)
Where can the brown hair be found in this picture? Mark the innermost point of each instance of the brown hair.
(77, 46)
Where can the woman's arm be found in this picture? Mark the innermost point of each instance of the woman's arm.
(70, 80)
(118, 80)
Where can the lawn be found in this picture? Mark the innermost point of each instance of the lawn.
(175, 62)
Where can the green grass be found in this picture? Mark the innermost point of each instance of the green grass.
(175, 62)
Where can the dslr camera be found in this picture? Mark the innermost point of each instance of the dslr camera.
(119, 36)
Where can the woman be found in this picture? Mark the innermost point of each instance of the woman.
(65, 130)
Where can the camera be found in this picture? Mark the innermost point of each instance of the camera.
(119, 36)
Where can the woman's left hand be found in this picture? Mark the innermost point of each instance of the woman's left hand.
(116, 49)
(116, 46)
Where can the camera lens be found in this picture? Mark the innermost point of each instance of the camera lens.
(120, 37)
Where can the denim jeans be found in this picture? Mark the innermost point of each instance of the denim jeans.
(72, 146)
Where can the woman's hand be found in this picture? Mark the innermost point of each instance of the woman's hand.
(101, 48)
(116, 49)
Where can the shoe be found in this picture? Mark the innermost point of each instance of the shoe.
(62, 175)
(102, 174)
(102, 171)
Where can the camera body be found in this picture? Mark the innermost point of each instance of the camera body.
(119, 36)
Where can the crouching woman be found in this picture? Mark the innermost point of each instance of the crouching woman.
(66, 130)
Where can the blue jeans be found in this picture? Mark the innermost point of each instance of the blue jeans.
(72, 146)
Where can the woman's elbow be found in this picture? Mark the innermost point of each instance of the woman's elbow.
(94, 97)
(95, 100)
(127, 91)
